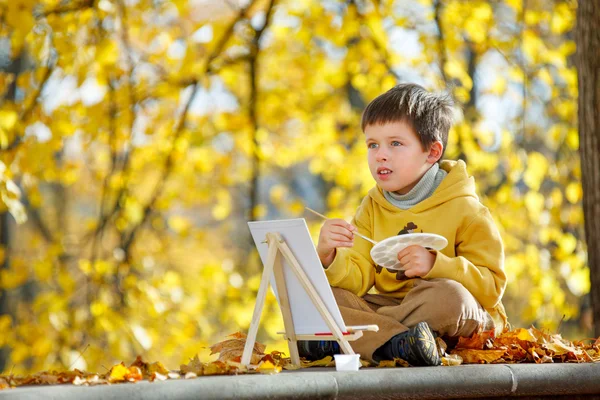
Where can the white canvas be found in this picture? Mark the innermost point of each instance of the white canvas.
(306, 317)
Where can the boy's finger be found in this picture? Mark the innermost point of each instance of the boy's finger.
(343, 243)
(409, 273)
(405, 251)
(342, 231)
(341, 238)
(341, 222)
(405, 260)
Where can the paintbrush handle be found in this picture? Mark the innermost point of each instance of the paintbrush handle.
(356, 233)
(366, 238)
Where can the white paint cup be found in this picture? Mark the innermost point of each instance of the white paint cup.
(347, 362)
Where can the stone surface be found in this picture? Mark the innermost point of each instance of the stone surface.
(468, 381)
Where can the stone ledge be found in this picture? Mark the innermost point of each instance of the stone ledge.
(468, 381)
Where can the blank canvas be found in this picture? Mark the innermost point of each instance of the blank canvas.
(306, 317)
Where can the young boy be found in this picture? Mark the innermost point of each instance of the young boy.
(453, 292)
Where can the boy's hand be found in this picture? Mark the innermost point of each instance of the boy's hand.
(416, 261)
(335, 233)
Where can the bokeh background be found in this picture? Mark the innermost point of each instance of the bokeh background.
(137, 138)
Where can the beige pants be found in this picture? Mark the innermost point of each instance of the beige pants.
(446, 305)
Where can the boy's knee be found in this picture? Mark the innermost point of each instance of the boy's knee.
(457, 312)
(452, 300)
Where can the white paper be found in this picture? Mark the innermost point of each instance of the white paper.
(306, 317)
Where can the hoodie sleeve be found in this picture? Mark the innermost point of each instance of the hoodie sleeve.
(479, 261)
(352, 268)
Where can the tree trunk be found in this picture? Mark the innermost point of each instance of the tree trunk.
(587, 37)
(4, 306)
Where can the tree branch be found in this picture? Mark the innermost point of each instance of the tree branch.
(254, 52)
(123, 192)
(437, 8)
(66, 9)
(378, 46)
(31, 106)
(128, 239)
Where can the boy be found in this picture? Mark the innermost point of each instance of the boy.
(453, 292)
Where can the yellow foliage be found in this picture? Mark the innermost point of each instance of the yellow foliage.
(138, 189)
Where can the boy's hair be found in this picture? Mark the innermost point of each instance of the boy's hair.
(431, 115)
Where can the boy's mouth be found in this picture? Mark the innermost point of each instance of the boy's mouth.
(383, 172)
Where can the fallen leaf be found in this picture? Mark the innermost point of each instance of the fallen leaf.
(267, 367)
(194, 366)
(396, 362)
(233, 349)
(117, 373)
(451, 360)
(470, 356)
(441, 344)
(4, 384)
(318, 363)
(476, 341)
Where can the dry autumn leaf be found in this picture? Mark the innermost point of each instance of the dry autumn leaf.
(470, 356)
(516, 346)
(452, 360)
(476, 341)
(194, 366)
(233, 348)
(396, 362)
(324, 362)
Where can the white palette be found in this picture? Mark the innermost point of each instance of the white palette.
(385, 253)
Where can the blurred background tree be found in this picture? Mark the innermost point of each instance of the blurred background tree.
(588, 65)
(137, 137)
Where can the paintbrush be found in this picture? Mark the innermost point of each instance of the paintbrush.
(356, 233)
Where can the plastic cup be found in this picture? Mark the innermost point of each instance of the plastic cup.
(347, 362)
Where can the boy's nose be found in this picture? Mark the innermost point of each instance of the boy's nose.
(381, 155)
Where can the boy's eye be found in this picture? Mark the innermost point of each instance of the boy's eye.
(372, 145)
(396, 143)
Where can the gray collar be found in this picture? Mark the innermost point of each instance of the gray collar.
(422, 190)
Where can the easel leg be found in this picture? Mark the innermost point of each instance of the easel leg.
(316, 299)
(284, 301)
(260, 302)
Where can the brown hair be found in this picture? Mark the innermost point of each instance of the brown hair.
(431, 115)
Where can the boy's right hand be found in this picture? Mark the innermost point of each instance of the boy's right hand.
(335, 233)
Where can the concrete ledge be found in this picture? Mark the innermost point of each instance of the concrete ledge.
(468, 381)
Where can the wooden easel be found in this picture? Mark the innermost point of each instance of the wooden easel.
(277, 247)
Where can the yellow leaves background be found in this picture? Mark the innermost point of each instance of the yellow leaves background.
(138, 138)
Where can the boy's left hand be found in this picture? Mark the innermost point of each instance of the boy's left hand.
(416, 261)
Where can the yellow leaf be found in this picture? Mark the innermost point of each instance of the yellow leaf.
(319, 363)
(8, 119)
(43, 270)
(563, 19)
(267, 367)
(118, 373)
(223, 206)
(179, 224)
(107, 53)
(12, 278)
(573, 192)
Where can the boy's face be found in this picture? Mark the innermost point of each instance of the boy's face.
(396, 157)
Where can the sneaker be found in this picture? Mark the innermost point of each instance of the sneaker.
(313, 350)
(417, 346)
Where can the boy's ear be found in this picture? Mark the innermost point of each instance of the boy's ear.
(435, 151)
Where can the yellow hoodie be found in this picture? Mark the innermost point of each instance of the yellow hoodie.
(474, 255)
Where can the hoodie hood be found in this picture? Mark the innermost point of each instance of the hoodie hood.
(457, 183)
